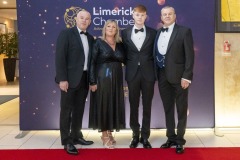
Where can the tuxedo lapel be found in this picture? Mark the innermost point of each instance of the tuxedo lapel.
(129, 33)
(147, 37)
(174, 33)
(77, 35)
(156, 40)
(157, 36)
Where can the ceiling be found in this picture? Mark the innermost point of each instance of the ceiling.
(8, 10)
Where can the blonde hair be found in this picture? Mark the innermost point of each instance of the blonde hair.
(117, 36)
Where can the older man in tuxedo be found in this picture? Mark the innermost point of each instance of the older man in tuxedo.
(174, 57)
(72, 63)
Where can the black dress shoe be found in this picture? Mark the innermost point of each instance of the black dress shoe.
(168, 144)
(146, 143)
(70, 149)
(134, 142)
(179, 149)
(82, 141)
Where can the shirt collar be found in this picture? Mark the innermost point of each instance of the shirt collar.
(79, 30)
(144, 28)
(170, 28)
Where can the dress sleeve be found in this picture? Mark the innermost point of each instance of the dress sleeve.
(93, 64)
(124, 53)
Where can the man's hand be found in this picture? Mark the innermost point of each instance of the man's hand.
(63, 85)
(93, 88)
(184, 84)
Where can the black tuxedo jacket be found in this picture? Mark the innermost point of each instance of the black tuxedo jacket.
(70, 56)
(179, 58)
(144, 56)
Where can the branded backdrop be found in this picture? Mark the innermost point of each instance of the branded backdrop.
(40, 22)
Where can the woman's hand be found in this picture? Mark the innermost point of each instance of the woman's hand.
(93, 88)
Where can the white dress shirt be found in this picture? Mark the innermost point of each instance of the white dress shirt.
(139, 37)
(163, 40)
(85, 47)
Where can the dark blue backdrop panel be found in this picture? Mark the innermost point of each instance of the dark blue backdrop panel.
(40, 22)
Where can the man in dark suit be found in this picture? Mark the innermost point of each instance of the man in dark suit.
(138, 41)
(174, 57)
(72, 58)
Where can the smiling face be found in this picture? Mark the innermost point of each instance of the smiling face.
(168, 16)
(111, 29)
(83, 20)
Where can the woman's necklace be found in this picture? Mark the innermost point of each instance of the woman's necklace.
(112, 44)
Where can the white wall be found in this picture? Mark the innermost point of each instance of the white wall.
(227, 81)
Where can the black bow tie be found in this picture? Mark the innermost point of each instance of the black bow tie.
(164, 29)
(139, 30)
(83, 33)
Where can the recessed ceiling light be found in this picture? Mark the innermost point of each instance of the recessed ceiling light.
(4, 2)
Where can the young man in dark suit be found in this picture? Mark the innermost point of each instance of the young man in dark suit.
(139, 41)
(174, 57)
(72, 62)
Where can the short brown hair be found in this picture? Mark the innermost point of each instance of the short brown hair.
(140, 8)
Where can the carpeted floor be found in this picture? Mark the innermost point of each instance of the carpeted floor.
(124, 154)
(6, 98)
